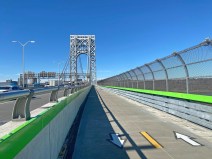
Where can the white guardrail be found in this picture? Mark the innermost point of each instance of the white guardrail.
(21, 109)
(198, 113)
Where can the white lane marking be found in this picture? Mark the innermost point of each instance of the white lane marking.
(186, 139)
(117, 140)
(7, 102)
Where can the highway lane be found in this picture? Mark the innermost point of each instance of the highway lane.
(37, 101)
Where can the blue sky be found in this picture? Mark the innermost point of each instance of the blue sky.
(128, 33)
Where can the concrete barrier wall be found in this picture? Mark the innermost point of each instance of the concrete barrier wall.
(46, 144)
(199, 113)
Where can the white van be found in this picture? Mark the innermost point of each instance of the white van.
(8, 88)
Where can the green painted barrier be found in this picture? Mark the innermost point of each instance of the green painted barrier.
(192, 97)
(15, 141)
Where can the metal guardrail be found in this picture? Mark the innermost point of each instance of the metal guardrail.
(21, 109)
(13, 95)
(198, 113)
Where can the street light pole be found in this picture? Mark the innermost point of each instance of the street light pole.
(59, 75)
(23, 45)
(23, 66)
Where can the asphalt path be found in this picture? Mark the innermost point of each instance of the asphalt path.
(116, 127)
(37, 101)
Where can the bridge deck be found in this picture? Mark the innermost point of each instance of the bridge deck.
(147, 135)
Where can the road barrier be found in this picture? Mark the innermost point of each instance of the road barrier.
(21, 110)
(196, 112)
(42, 136)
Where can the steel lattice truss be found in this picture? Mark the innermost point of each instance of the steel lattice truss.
(83, 44)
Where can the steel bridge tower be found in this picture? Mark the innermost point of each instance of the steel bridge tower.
(83, 44)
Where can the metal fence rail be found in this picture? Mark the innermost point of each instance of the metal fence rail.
(21, 109)
(188, 71)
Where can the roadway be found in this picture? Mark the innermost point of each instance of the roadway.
(110, 122)
(37, 101)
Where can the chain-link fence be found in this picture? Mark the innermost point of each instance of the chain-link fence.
(188, 71)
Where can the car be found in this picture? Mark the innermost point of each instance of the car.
(46, 85)
(38, 85)
(9, 88)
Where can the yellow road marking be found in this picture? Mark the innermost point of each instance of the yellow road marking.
(150, 139)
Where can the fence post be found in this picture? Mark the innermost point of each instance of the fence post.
(153, 77)
(143, 77)
(167, 77)
(185, 68)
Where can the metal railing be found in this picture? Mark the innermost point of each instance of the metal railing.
(21, 109)
(187, 71)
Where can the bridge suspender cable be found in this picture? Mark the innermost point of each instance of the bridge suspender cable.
(81, 67)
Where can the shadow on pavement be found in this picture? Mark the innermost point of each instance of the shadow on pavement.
(134, 146)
